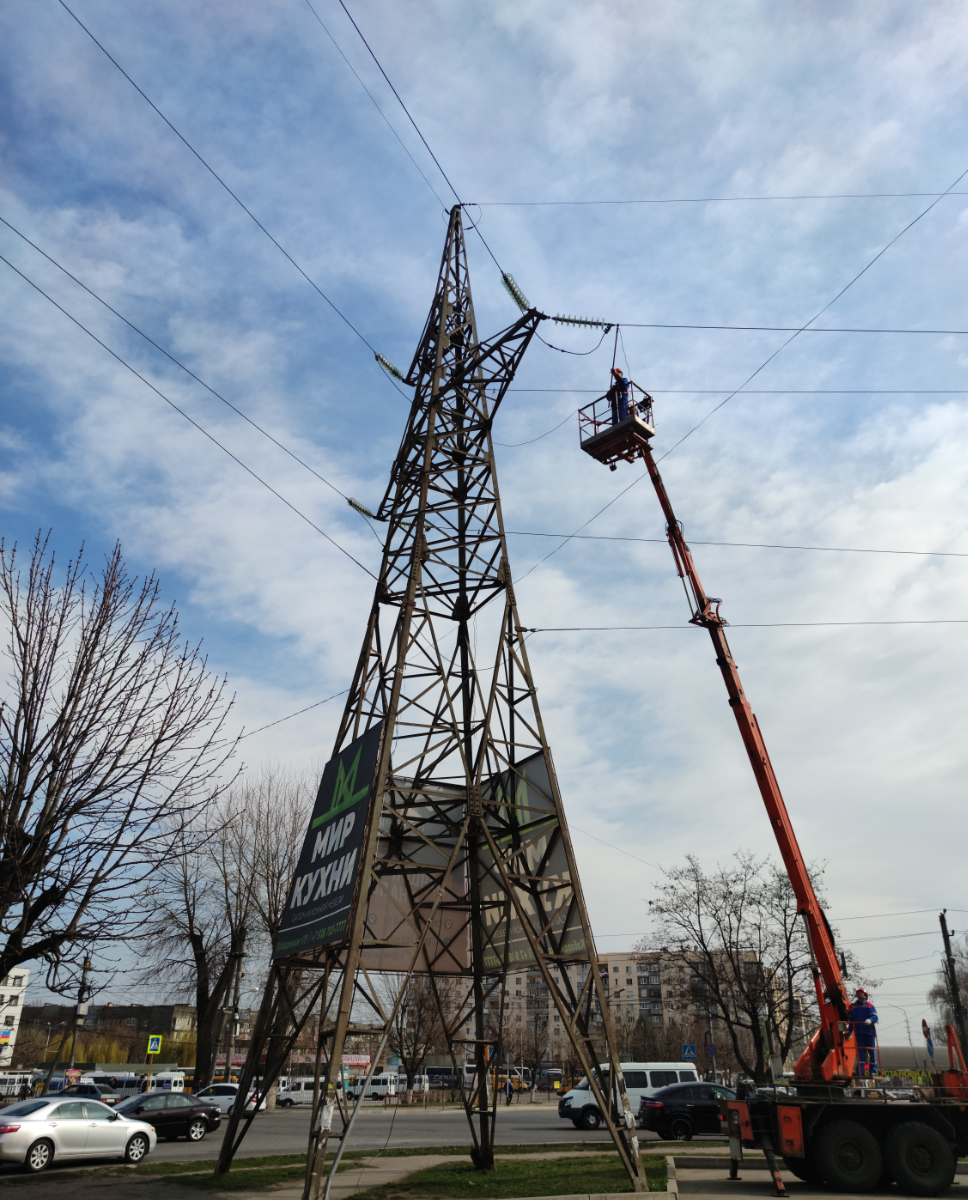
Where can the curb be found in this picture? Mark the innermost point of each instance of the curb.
(672, 1183)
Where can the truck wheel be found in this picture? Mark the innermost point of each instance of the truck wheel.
(848, 1157)
(919, 1159)
(591, 1118)
(803, 1168)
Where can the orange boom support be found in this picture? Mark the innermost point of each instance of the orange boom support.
(830, 1056)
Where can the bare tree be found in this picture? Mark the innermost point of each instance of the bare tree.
(417, 1029)
(222, 893)
(202, 904)
(278, 804)
(110, 744)
(742, 955)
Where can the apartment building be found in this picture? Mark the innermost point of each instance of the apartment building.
(12, 990)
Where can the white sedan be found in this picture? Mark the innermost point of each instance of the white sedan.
(35, 1132)
(225, 1095)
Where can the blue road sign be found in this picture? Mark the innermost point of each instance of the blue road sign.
(930, 1048)
(688, 1051)
(711, 1051)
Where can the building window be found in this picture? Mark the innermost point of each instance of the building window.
(615, 969)
(18, 981)
(9, 1021)
(628, 969)
(657, 1018)
(13, 1000)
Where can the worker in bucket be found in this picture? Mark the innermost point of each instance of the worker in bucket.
(618, 395)
(863, 1018)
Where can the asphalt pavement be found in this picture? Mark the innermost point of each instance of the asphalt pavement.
(286, 1131)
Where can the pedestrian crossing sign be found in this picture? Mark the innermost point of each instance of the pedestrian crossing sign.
(154, 1043)
(688, 1051)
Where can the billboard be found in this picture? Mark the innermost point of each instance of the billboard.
(320, 900)
(419, 824)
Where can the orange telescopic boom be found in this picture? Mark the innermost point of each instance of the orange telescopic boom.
(830, 1055)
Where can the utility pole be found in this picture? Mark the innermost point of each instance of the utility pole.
(228, 1033)
(236, 1001)
(952, 976)
(81, 1010)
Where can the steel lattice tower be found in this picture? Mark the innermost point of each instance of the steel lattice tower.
(467, 869)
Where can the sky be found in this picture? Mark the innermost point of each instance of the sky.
(538, 112)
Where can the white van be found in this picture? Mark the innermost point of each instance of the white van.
(641, 1080)
(297, 1091)
(167, 1081)
(386, 1084)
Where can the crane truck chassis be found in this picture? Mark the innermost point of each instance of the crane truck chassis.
(829, 1126)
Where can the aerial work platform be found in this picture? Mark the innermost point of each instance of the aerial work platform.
(610, 438)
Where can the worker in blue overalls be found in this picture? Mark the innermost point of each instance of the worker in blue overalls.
(618, 395)
(863, 1018)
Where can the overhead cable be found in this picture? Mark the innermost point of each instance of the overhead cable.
(419, 134)
(863, 271)
(181, 137)
(201, 429)
(188, 371)
(714, 199)
(763, 365)
(308, 708)
(796, 329)
(737, 625)
(601, 537)
(376, 104)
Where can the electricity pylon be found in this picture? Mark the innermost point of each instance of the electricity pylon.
(466, 869)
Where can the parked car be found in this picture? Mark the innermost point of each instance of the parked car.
(681, 1111)
(93, 1091)
(641, 1080)
(36, 1132)
(224, 1096)
(173, 1114)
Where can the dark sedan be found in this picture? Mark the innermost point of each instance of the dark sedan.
(679, 1112)
(173, 1114)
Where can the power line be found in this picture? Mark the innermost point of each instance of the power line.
(131, 325)
(889, 937)
(308, 708)
(189, 419)
(863, 271)
(739, 625)
(713, 199)
(796, 329)
(220, 180)
(600, 537)
(762, 365)
(766, 391)
(627, 853)
(417, 128)
(375, 104)
(400, 101)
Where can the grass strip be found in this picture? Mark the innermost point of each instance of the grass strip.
(554, 1177)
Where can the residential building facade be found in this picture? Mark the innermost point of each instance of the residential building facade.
(12, 991)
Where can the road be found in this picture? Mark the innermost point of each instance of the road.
(286, 1131)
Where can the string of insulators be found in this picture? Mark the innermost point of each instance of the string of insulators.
(360, 508)
(519, 298)
(589, 321)
(389, 367)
